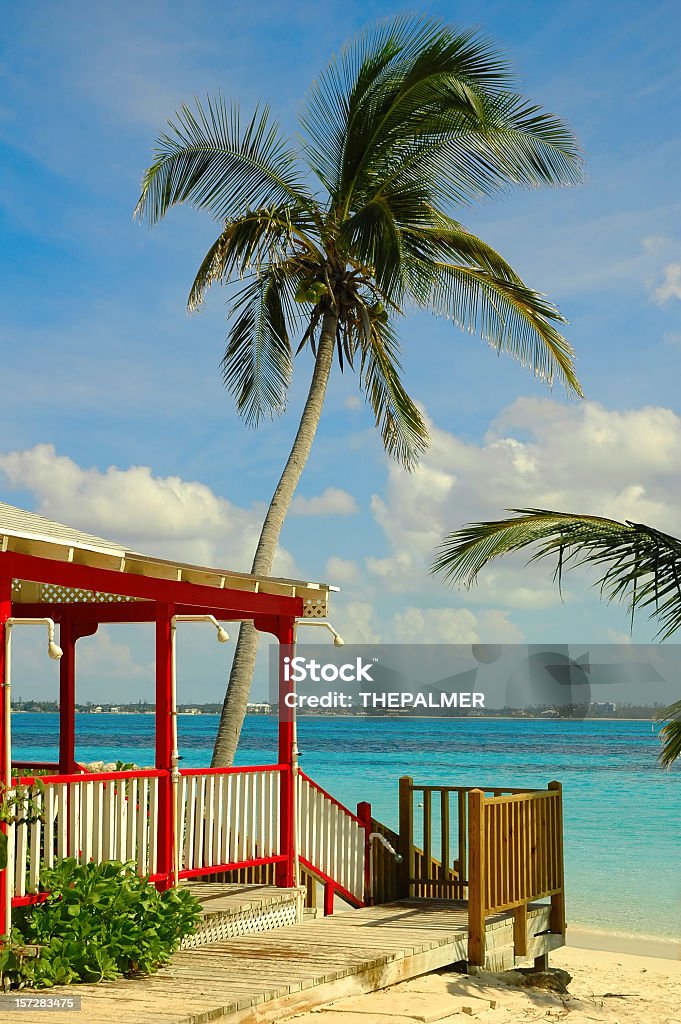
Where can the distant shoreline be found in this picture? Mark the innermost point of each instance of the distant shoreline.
(382, 717)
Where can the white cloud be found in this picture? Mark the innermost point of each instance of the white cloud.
(102, 657)
(356, 622)
(538, 453)
(424, 625)
(616, 637)
(671, 285)
(434, 626)
(341, 570)
(352, 403)
(166, 516)
(332, 502)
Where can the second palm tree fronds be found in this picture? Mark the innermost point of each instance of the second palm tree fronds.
(641, 565)
(328, 242)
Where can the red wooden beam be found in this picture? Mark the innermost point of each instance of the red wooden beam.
(213, 869)
(123, 611)
(109, 581)
(69, 633)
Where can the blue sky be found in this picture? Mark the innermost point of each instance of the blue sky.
(113, 416)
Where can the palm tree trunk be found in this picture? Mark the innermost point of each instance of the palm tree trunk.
(241, 675)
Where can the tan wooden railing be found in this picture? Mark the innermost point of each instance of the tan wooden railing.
(499, 849)
(516, 856)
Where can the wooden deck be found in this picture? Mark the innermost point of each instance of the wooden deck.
(257, 978)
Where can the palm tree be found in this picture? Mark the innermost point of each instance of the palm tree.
(641, 566)
(329, 243)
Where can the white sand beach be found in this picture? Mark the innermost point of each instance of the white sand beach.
(607, 986)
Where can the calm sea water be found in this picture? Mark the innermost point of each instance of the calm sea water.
(622, 813)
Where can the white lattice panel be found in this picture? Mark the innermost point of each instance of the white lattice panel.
(52, 593)
(248, 921)
(315, 608)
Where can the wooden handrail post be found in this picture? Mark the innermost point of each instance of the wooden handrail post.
(557, 919)
(406, 868)
(463, 844)
(476, 877)
(520, 930)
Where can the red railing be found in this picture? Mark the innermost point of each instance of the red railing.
(225, 819)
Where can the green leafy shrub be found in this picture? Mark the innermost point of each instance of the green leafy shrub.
(99, 922)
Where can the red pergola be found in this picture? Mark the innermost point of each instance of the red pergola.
(48, 570)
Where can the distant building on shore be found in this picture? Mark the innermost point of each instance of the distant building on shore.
(258, 709)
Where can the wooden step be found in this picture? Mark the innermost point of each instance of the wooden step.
(229, 910)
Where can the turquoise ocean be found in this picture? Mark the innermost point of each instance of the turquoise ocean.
(622, 813)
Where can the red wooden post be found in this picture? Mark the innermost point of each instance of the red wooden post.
(69, 632)
(284, 872)
(329, 895)
(364, 815)
(5, 613)
(164, 744)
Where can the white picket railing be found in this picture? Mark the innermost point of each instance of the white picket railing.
(227, 817)
(330, 838)
(224, 818)
(93, 818)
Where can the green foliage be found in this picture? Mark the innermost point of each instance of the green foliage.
(99, 922)
(670, 734)
(642, 566)
(411, 121)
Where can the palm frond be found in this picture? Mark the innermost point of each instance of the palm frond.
(257, 364)
(422, 101)
(373, 94)
(642, 565)
(375, 239)
(509, 316)
(337, 94)
(259, 238)
(403, 430)
(670, 734)
(509, 144)
(443, 73)
(209, 159)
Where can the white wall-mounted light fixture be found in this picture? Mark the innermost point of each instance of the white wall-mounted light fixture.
(53, 649)
(338, 640)
(223, 635)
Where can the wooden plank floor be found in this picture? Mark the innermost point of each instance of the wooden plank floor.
(262, 977)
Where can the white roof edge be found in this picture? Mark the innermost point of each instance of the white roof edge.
(22, 525)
